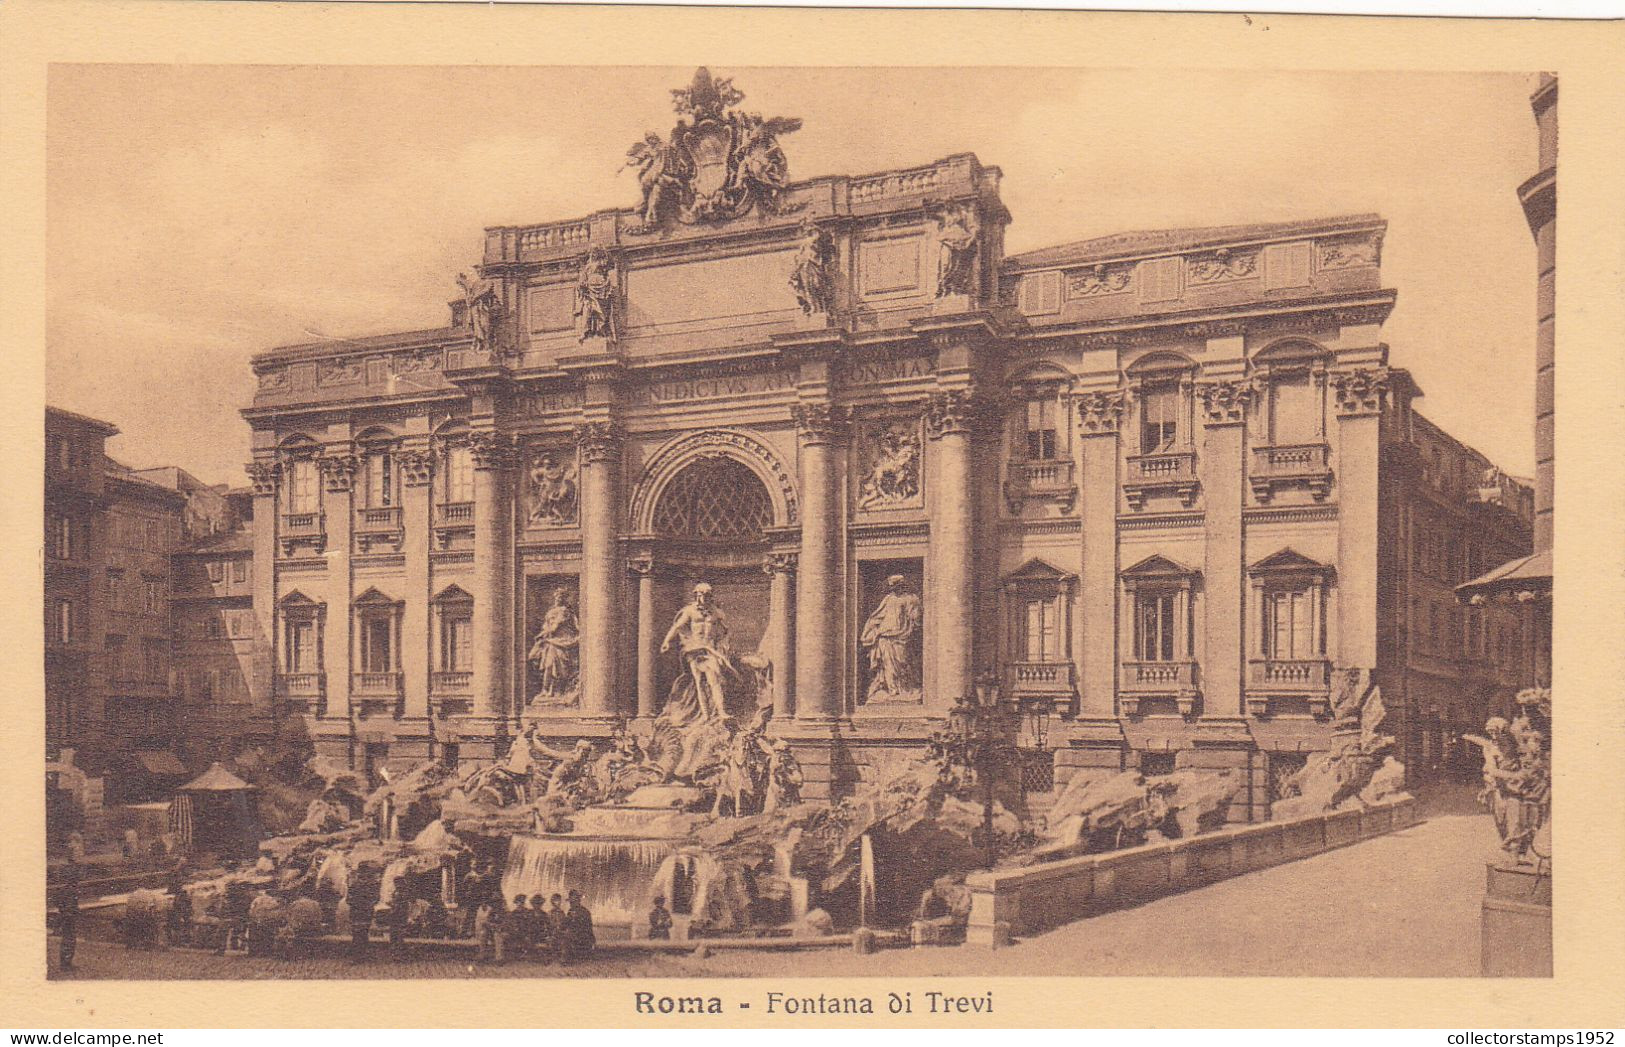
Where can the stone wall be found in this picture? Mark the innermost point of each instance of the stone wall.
(1040, 897)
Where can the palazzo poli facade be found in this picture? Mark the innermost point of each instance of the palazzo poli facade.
(1158, 485)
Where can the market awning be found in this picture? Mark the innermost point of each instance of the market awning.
(216, 780)
(1528, 574)
(160, 762)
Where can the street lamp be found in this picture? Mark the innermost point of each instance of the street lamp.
(979, 734)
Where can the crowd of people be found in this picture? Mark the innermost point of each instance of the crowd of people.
(263, 920)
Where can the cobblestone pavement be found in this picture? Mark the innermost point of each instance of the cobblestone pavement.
(1401, 905)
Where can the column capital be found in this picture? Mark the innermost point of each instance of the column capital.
(953, 411)
(1360, 392)
(262, 474)
(1225, 402)
(491, 450)
(598, 441)
(780, 563)
(417, 467)
(641, 564)
(1100, 411)
(819, 421)
(338, 471)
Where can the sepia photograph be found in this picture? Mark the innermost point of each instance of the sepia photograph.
(716, 520)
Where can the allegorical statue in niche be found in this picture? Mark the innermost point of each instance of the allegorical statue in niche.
(813, 278)
(959, 232)
(556, 651)
(596, 297)
(484, 312)
(894, 474)
(891, 636)
(701, 633)
(552, 491)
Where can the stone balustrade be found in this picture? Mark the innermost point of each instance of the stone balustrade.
(1038, 897)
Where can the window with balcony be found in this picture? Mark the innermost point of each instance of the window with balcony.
(303, 495)
(1040, 451)
(1293, 452)
(1288, 669)
(1162, 459)
(454, 622)
(1159, 614)
(378, 643)
(378, 489)
(301, 648)
(1038, 598)
(459, 474)
(303, 623)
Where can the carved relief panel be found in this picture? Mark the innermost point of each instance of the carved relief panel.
(550, 487)
(888, 474)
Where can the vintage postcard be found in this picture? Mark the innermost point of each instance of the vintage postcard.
(778, 532)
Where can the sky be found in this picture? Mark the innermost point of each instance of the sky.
(197, 215)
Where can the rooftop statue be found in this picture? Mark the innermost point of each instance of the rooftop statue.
(718, 167)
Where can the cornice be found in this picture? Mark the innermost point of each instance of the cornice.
(1367, 307)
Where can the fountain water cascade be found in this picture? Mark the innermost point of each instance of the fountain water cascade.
(615, 876)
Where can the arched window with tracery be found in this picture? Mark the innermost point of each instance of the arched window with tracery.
(715, 499)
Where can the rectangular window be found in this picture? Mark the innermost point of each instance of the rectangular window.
(234, 623)
(1041, 432)
(456, 641)
(61, 537)
(151, 596)
(301, 646)
(1289, 625)
(62, 622)
(1154, 627)
(1042, 639)
(380, 481)
(211, 627)
(459, 475)
(239, 571)
(1295, 418)
(153, 660)
(217, 571)
(115, 656)
(1159, 425)
(303, 496)
(377, 644)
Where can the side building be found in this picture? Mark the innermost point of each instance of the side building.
(1152, 489)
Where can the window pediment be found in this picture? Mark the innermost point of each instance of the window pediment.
(374, 598)
(1038, 572)
(1289, 561)
(453, 594)
(1159, 568)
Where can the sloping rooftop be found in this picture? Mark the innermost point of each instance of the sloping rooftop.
(240, 540)
(106, 428)
(1160, 241)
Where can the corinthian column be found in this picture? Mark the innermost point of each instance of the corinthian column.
(781, 644)
(644, 567)
(819, 695)
(492, 453)
(601, 620)
(949, 421)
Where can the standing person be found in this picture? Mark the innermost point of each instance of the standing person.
(239, 896)
(516, 928)
(179, 931)
(541, 928)
(364, 888)
(579, 939)
(485, 931)
(556, 924)
(67, 910)
(660, 920)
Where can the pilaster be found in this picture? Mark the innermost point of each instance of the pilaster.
(1100, 415)
(1223, 407)
(642, 566)
(416, 466)
(338, 511)
(950, 423)
(1360, 397)
(781, 567)
(262, 475)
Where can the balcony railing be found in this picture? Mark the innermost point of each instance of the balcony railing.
(1141, 680)
(1172, 471)
(299, 685)
(375, 685)
(302, 529)
(1040, 478)
(387, 518)
(1285, 465)
(1040, 678)
(452, 682)
(452, 519)
(1297, 675)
